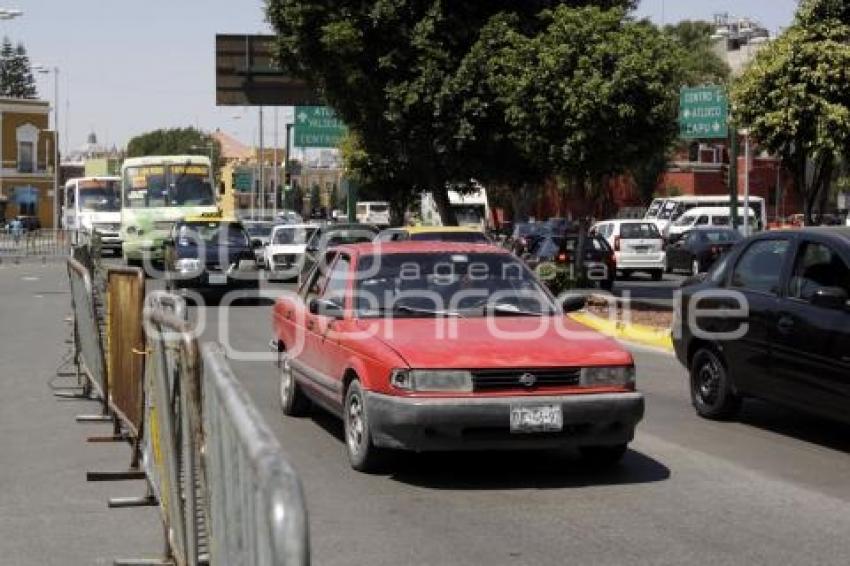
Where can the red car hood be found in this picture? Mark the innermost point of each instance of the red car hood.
(469, 343)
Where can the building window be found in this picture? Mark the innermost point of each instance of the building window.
(25, 157)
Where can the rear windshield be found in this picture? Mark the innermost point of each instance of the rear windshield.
(721, 236)
(639, 231)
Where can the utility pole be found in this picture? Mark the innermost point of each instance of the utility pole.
(747, 183)
(287, 169)
(733, 175)
(262, 161)
(275, 172)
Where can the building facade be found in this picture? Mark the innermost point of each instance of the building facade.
(26, 160)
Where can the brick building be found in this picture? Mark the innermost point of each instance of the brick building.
(26, 160)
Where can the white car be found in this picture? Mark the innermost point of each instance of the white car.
(637, 244)
(284, 254)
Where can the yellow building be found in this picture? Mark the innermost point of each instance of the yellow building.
(26, 154)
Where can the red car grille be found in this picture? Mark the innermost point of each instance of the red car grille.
(512, 378)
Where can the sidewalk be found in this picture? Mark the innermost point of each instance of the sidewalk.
(49, 514)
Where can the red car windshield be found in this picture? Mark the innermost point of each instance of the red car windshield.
(449, 284)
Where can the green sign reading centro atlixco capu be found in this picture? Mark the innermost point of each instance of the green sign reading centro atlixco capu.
(317, 126)
(703, 113)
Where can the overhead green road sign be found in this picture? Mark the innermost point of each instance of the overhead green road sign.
(703, 113)
(317, 126)
(243, 180)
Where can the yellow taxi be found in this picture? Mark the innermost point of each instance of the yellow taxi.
(461, 234)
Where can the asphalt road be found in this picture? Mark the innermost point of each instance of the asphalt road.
(771, 488)
(643, 289)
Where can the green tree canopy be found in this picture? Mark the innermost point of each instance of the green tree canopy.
(384, 66)
(175, 141)
(795, 98)
(700, 62)
(589, 96)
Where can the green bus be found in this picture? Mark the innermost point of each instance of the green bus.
(156, 192)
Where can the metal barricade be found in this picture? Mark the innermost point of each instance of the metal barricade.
(226, 493)
(88, 338)
(172, 429)
(256, 502)
(43, 243)
(125, 345)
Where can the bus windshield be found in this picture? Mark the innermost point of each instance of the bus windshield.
(654, 208)
(99, 196)
(151, 186)
(469, 213)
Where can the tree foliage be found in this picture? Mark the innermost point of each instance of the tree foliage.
(175, 141)
(591, 95)
(16, 78)
(387, 68)
(701, 65)
(795, 98)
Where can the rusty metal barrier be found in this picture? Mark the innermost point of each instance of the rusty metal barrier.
(125, 291)
(226, 493)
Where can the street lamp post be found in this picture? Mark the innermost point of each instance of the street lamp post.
(45, 70)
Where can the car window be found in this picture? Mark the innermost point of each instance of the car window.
(720, 221)
(337, 281)
(317, 279)
(691, 238)
(639, 231)
(760, 266)
(817, 266)
(702, 221)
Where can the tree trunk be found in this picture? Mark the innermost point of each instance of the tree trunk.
(441, 198)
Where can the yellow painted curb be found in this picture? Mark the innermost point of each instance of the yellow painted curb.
(636, 333)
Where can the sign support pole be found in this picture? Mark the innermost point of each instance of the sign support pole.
(733, 175)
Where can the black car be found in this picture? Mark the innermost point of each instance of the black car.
(599, 260)
(698, 249)
(210, 254)
(792, 343)
(330, 235)
(524, 236)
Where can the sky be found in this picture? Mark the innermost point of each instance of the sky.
(129, 66)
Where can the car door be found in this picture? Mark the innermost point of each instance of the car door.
(757, 275)
(812, 347)
(306, 356)
(330, 359)
(678, 254)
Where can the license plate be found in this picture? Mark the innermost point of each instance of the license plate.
(541, 418)
(641, 249)
(218, 279)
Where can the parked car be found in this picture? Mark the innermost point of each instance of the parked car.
(698, 249)
(792, 343)
(259, 231)
(284, 255)
(599, 262)
(210, 254)
(329, 235)
(637, 244)
(30, 223)
(362, 341)
(433, 234)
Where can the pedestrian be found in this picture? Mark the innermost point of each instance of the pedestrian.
(16, 227)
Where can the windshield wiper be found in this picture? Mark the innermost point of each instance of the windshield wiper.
(430, 312)
(509, 310)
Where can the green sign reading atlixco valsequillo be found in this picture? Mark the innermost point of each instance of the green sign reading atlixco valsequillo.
(703, 113)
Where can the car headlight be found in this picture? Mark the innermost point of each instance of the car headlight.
(432, 380)
(131, 229)
(188, 265)
(608, 377)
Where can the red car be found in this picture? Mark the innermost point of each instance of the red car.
(440, 346)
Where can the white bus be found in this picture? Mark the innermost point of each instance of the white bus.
(156, 192)
(93, 204)
(471, 209)
(666, 210)
(377, 213)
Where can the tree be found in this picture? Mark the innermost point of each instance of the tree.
(16, 78)
(315, 198)
(701, 65)
(398, 57)
(795, 98)
(614, 101)
(175, 141)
